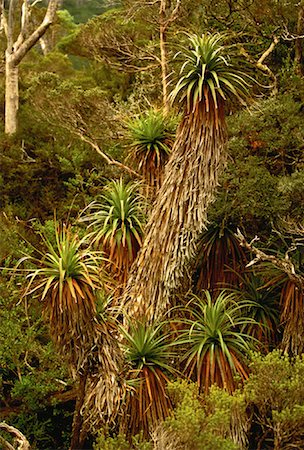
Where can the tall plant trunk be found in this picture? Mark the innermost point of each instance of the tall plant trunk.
(164, 66)
(292, 316)
(180, 212)
(299, 43)
(17, 49)
(11, 95)
(163, 24)
(78, 436)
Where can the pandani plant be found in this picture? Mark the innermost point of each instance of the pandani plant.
(292, 293)
(291, 305)
(149, 351)
(263, 297)
(284, 271)
(219, 260)
(66, 277)
(292, 317)
(151, 138)
(209, 78)
(116, 224)
(217, 346)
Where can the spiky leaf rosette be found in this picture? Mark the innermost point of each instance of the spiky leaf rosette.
(66, 277)
(151, 139)
(117, 221)
(208, 77)
(264, 306)
(190, 180)
(218, 346)
(149, 352)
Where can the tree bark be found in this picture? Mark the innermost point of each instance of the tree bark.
(11, 95)
(78, 436)
(20, 439)
(298, 43)
(16, 51)
(164, 66)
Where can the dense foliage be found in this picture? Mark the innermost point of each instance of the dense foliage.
(80, 184)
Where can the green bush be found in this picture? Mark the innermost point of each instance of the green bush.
(120, 442)
(275, 394)
(195, 425)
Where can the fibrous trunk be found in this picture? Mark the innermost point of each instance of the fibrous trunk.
(163, 53)
(299, 39)
(292, 303)
(180, 212)
(91, 349)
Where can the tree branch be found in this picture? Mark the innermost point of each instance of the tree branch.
(27, 44)
(4, 445)
(25, 16)
(10, 25)
(107, 158)
(260, 63)
(20, 439)
(3, 20)
(285, 265)
(174, 14)
(268, 51)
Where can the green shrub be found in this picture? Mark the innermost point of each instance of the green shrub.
(275, 393)
(120, 442)
(194, 425)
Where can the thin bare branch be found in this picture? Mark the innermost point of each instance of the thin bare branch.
(268, 51)
(285, 265)
(22, 45)
(260, 62)
(107, 158)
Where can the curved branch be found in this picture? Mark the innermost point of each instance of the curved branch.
(260, 63)
(5, 445)
(24, 45)
(21, 440)
(107, 158)
(285, 265)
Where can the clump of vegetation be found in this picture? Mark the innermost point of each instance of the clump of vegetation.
(217, 340)
(117, 223)
(151, 140)
(92, 344)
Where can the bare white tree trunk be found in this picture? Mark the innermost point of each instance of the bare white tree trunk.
(299, 39)
(11, 96)
(17, 48)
